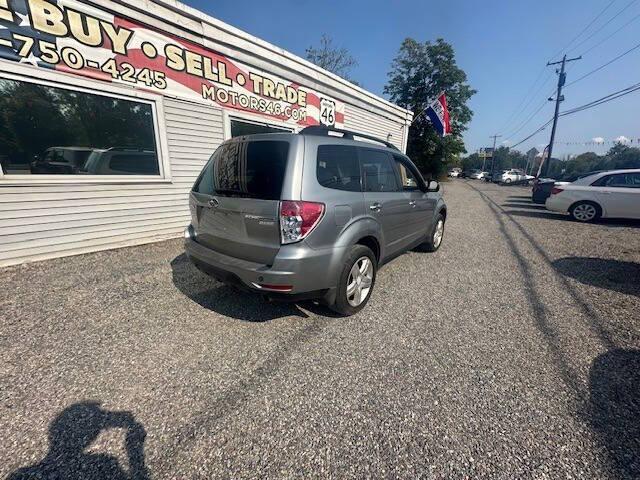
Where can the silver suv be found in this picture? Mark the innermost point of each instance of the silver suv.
(310, 215)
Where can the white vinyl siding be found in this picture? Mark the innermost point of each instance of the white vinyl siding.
(45, 218)
(45, 221)
(364, 121)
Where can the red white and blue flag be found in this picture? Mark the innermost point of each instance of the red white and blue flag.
(438, 113)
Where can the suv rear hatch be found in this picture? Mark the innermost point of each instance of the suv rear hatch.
(235, 202)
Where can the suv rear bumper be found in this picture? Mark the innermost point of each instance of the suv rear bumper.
(311, 273)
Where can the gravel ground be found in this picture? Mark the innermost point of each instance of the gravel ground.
(513, 352)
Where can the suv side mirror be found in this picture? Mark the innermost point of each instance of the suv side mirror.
(433, 186)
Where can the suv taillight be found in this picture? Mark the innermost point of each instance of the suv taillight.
(298, 219)
(556, 190)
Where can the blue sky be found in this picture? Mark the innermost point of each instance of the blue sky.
(502, 45)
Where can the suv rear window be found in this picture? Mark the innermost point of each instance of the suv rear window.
(252, 169)
(338, 167)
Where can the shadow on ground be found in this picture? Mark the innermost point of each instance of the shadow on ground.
(73, 431)
(609, 222)
(232, 302)
(620, 276)
(611, 404)
(531, 205)
(519, 198)
(614, 412)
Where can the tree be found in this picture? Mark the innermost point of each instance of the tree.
(336, 60)
(418, 74)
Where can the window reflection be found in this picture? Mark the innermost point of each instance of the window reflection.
(49, 130)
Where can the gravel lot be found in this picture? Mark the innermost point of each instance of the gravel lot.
(513, 352)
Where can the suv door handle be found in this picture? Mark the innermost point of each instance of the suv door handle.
(412, 203)
(376, 207)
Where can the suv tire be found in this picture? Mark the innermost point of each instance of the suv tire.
(356, 261)
(434, 240)
(585, 211)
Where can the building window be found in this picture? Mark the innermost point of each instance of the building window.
(46, 130)
(241, 127)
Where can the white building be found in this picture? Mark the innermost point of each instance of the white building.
(109, 110)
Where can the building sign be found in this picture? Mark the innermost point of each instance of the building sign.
(69, 36)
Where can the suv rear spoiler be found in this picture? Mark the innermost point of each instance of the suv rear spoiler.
(323, 131)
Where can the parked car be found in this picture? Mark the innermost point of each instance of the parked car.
(473, 173)
(496, 177)
(611, 194)
(60, 160)
(542, 186)
(310, 215)
(513, 176)
(454, 172)
(478, 175)
(121, 161)
(541, 189)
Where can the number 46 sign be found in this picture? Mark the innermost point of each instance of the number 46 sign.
(327, 112)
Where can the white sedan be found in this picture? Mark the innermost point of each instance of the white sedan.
(610, 194)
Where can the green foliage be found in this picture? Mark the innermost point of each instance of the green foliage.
(418, 74)
(504, 159)
(618, 157)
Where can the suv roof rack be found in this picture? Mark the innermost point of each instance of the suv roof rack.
(346, 134)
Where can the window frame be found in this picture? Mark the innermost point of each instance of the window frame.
(601, 181)
(408, 165)
(239, 116)
(51, 78)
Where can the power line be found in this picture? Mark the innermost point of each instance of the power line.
(597, 17)
(586, 106)
(522, 106)
(541, 128)
(517, 110)
(605, 99)
(528, 120)
(620, 12)
(611, 35)
(604, 65)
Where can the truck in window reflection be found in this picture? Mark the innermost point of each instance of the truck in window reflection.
(121, 161)
(61, 160)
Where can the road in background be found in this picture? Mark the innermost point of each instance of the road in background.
(512, 352)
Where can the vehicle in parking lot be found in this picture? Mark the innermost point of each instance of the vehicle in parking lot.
(121, 161)
(610, 194)
(60, 160)
(542, 186)
(471, 173)
(486, 176)
(513, 176)
(454, 172)
(478, 174)
(310, 215)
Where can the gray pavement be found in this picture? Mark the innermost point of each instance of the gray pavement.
(513, 352)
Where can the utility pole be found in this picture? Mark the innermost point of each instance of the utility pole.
(562, 78)
(493, 153)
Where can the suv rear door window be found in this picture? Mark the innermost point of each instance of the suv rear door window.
(378, 172)
(338, 167)
(252, 169)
